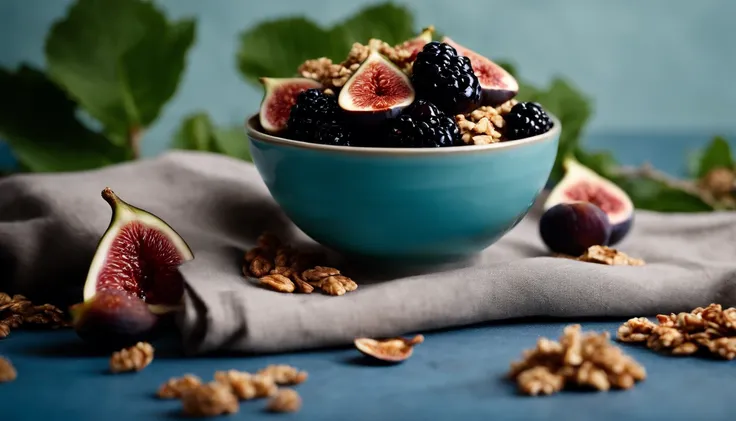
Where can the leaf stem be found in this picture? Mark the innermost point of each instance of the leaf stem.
(135, 134)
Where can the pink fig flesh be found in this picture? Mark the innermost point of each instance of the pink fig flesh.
(113, 319)
(415, 45)
(279, 96)
(498, 85)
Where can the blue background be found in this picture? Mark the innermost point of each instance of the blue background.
(660, 71)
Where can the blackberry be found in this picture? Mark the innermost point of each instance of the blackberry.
(446, 79)
(526, 119)
(317, 118)
(423, 125)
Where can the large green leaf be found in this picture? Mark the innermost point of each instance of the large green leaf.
(276, 48)
(716, 155)
(121, 60)
(655, 195)
(197, 132)
(38, 121)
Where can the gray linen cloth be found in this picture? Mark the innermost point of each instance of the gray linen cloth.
(50, 225)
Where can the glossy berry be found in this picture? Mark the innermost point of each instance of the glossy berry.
(447, 80)
(317, 118)
(526, 119)
(423, 125)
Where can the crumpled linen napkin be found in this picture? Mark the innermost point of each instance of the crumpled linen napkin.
(50, 225)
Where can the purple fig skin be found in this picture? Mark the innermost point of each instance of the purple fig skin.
(570, 228)
(114, 319)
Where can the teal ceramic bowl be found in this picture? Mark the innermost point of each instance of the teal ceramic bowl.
(424, 204)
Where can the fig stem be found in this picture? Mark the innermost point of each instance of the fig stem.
(110, 197)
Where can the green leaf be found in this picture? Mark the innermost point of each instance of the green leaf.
(38, 121)
(276, 48)
(655, 195)
(716, 155)
(121, 60)
(388, 22)
(568, 104)
(197, 132)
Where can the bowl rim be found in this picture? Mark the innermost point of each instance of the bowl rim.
(253, 122)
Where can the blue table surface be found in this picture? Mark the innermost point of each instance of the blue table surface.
(455, 374)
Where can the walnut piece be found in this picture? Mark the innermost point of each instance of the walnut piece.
(577, 359)
(284, 269)
(177, 386)
(278, 283)
(609, 256)
(17, 310)
(135, 358)
(247, 386)
(286, 400)
(709, 329)
(208, 400)
(283, 374)
(719, 182)
(7, 371)
(538, 380)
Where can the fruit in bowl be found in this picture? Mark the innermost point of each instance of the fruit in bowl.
(417, 151)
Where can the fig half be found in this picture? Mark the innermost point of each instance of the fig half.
(378, 90)
(140, 254)
(580, 183)
(497, 84)
(279, 96)
(392, 350)
(415, 45)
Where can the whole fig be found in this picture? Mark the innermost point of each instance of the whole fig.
(570, 228)
(114, 319)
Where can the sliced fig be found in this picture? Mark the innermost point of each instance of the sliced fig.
(140, 254)
(113, 319)
(571, 228)
(278, 98)
(392, 350)
(580, 183)
(376, 91)
(498, 85)
(415, 45)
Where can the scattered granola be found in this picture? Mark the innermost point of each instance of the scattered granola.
(208, 400)
(177, 386)
(709, 329)
(134, 358)
(283, 374)
(7, 371)
(604, 255)
(581, 359)
(282, 268)
(719, 182)
(334, 75)
(286, 400)
(484, 125)
(17, 311)
(609, 256)
(389, 350)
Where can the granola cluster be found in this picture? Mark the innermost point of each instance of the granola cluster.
(229, 387)
(484, 125)
(335, 75)
(134, 358)
(17, 311)
(582, 359)
(605, 255)
(711, 329)
(7, 371)
(284, 269)
(719, 182)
